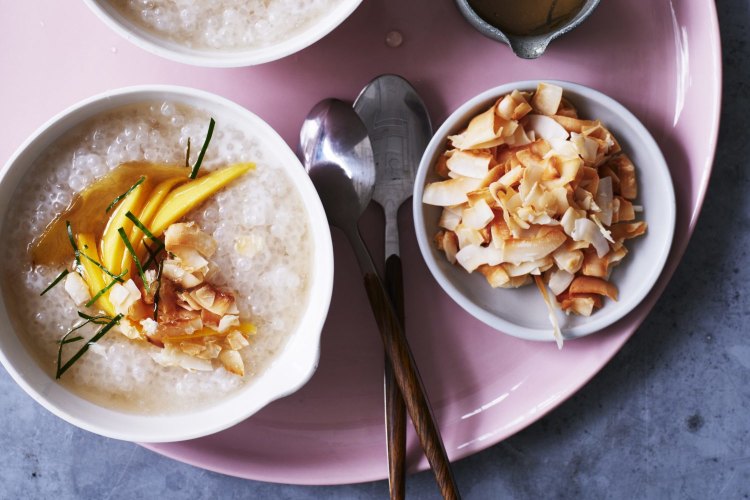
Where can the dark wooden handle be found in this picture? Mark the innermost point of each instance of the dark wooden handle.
(410, 384)
(395, 410)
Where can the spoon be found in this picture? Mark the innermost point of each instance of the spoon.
(338, 157)
(399, 127)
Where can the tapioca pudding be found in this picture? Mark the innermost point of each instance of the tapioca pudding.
(154, 263)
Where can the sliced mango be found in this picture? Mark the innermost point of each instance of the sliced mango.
(146, 215)
(188, 196)
(112, 247)
(94, 276)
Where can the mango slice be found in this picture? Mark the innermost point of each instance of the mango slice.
(94, 276)
(112, 247)
(188, 196)
(137, 238)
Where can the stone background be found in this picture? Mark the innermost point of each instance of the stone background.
(669, 417)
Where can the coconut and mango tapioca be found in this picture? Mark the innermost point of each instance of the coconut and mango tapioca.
(171, 274)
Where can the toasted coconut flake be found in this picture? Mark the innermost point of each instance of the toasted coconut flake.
(604, 199)
(172, 356)
(545, 128)
(467, 236)
(212, 351)
(473, 256)
(626, 174)
(124, 296)
(478, 216)
(547, 99)
(568, 260)
(627, 230)
(188, 234)
(227, 322)
(495, 275)
(149, 326)
(625, 210)
(174, 271)
(449, 220)
(560, 280)
(573, 124)
(535, 267)
(191, 348)
(593, 265)
(473, 164)
(232, 362)
(588, 231)
(583, 306)
(605, 232)
(481, 195)
(128, 329)
(77, 288)
(522, 250)
(588, 148)
(483, 129)
(236, 340)
(591, 285)
(441, 165)
(450, 192)
(556, 332)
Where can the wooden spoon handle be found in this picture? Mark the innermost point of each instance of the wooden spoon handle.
(410, 384)
(395, 410)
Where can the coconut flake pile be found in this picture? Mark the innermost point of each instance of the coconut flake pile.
(530, 190)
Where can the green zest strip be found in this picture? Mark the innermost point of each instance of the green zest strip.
(95, 319)
(104, 269)
(70, 341)
(73, 244)
(143, 228)
(137, 261)
(152, 255)
(187, 155)
(123, 195)
(106, 288)
(194, 172)
(55, 282)
(158, 289)
(101, 333)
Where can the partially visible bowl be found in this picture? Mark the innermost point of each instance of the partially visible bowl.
(525, 46)
(289, 370)
(521, 312)
(217, 57)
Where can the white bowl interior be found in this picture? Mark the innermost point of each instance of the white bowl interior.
(291, 368)
(522, 312)
(217, 57)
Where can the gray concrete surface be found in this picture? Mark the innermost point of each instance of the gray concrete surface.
(669, 417)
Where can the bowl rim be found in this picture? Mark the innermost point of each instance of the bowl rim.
(218, 58)
(459, 118)
(320, 287)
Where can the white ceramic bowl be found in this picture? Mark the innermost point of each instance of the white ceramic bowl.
(291, 368)
(522, 312)
(223, 58)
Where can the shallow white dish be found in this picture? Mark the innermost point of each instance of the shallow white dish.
(223, 58)
(290, 369)
(521, 312)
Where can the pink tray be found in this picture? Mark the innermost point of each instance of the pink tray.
(658, 57)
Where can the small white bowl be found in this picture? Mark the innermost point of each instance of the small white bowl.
(291, 368)
(521, 312)
(220, 58)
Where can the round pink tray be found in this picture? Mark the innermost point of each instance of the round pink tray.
(659, 58)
